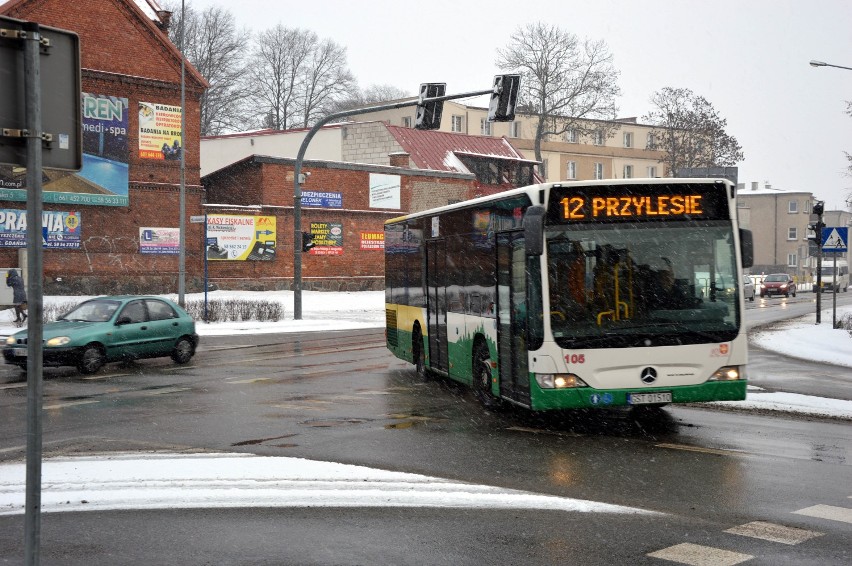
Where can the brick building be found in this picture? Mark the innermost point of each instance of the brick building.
(344, 208)
(131, 75)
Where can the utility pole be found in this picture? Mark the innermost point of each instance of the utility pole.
(817, 227)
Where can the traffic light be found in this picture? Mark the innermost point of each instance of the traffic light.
(818, 207)
(504, 98)
(428, 116)
(307, 241)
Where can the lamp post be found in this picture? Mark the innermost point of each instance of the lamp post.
(814, 63)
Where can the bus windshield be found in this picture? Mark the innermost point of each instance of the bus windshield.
(642, 284)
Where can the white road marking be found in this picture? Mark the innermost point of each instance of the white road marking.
(13, 385)
(774, 533)
(829, 512)
(697, 555)
(69, 404)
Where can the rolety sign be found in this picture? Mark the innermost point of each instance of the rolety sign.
(159, 240)
(59, 230)
(328, 237)
(103, 179)
(159, 131)
(240, 238)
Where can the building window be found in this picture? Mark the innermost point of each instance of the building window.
(571, 135)
(599, 171)
(628, 171)
(406, 121)
(485, 127)
(571, 170)
(792, 260)
(741, 203)
(807, 207)
(457, 123)
(793, 206)
(651, 141)
(628, 139)
(652, 172)
(792, 233)
(516, 130)
(598, 137)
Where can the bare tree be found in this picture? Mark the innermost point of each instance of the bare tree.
(327, 81)
(296, 77)
(373, 94)
(217, 49)
(690, 131)
(565, 82)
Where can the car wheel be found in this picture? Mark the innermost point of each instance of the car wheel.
(183, 351)
(91, 359)
(482, 377)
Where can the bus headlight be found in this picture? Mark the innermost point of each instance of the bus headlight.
(559, 380)
(727, 373)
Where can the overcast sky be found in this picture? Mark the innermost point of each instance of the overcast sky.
(749, 58)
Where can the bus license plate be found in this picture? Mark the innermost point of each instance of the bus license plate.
(19, 352)
(649, 398)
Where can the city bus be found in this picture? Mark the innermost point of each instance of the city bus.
(571, 295)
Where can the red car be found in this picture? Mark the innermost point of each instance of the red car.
(778, 284)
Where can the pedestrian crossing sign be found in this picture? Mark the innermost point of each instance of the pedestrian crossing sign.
(835, 238)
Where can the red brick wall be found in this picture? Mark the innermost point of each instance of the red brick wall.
(123, 56)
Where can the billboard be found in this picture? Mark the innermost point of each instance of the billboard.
(159, 131)
(60, 229)
(240, 238)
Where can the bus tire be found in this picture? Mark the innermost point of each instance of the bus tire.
(419, 355)
(482, 376)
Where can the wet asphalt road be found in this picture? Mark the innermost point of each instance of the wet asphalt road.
(341, 397)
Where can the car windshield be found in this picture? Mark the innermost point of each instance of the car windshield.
(97, 310)
(642, 285)
(775, 278)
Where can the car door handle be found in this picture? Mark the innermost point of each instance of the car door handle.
(143, 328)
(174, 324)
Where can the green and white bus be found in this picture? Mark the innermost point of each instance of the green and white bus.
(577, 294)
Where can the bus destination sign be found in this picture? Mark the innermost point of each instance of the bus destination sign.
(637, 203)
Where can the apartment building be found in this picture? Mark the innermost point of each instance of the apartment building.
(627, 152)
(779, 222)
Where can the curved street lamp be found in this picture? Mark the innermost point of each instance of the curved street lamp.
(824, 64)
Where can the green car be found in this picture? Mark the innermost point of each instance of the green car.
(107, 329)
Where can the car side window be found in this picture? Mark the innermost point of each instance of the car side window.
(135, 311)
(158, 310)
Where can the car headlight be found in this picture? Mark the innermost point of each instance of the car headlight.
(728, 373)
(58, 341)
(11, 340)
(559, 380)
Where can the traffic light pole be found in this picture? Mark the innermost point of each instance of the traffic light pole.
(298, 179)
(818, 210)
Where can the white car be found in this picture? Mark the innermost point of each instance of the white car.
(748, 288)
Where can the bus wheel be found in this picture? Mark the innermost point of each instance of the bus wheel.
(482, 377)
(419, 356)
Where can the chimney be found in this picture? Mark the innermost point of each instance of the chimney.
(400, 159)
(766, 185)
(165, 19)
(754, 185)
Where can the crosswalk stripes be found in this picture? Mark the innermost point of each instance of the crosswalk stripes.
(699, 555)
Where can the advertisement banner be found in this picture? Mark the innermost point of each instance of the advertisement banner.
(159, 240)
(328, 237)
(159, 131)
(240, 238)
(372, 240)
(104, 178)
(60, 229)
(384, 190)
(322, 199)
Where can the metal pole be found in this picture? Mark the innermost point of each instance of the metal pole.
(35, 268)
(819, 276)
(182, 244)
(834, 286)
(297, 188)
(204, 251)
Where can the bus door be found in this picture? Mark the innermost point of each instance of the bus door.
(436, 303)
(512, 317)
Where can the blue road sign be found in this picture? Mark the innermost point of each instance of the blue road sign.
(835, 239)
